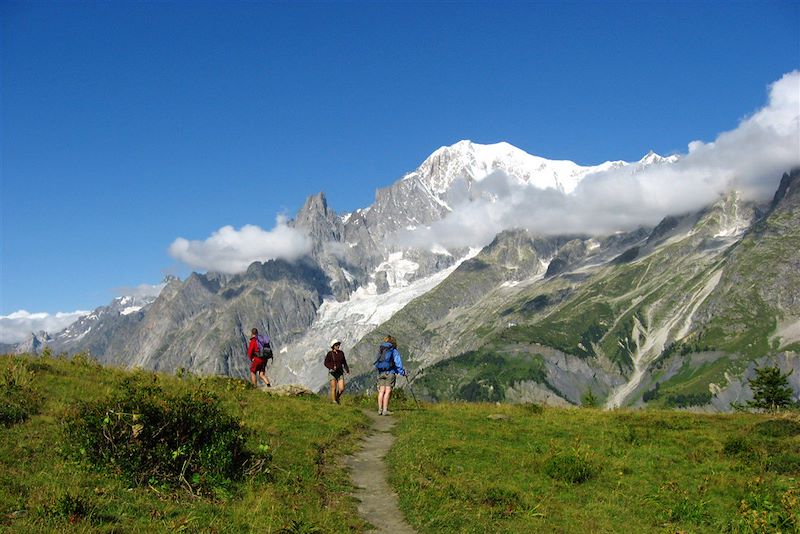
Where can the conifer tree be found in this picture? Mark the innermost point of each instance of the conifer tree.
(771, 390)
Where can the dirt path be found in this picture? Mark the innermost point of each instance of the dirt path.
(369, 473)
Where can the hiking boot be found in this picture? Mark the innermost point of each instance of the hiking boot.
(387, 412)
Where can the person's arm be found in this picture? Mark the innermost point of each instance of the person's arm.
(253, 348)
(398, 363)
(329, 360)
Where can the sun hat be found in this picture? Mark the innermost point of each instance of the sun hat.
(335, 342)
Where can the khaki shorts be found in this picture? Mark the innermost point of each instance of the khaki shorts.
(387, 379)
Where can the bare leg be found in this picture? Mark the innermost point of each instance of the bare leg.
(253, 379)
(334, 396)
(340, 389)
(387, 393)
(381, 392)
(264, 378)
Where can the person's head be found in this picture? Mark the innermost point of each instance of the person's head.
(254, 332)
(390, 339)
(335, 344)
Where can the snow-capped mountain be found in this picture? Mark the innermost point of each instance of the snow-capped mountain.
(473, 162)
(92, 331)
(358, 282)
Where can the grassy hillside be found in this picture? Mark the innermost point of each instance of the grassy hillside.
(46, 487)
(456, 467)
(504, 468)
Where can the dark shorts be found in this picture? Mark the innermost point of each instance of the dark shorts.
(257, 365)
(336, 375)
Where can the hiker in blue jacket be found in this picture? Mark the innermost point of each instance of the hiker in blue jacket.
(389, 365)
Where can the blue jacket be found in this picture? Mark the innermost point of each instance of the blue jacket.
(397, 363)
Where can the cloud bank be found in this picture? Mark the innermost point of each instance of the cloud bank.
(18, 326)
(140, 291)
(231, 251)
(751, 159)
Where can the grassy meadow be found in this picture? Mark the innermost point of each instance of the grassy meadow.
(521, 468)
(457, 467)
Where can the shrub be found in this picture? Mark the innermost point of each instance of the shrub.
(153, 437)
(779, 428)
(71, 507)
(18, 396)
(740, 447)
(783, 463)
(573, 467)
(589, 399)
(532, 408)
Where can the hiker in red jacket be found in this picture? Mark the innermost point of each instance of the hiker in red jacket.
(258, 364)
(337, 366)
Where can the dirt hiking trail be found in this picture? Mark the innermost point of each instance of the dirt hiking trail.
(368, 471)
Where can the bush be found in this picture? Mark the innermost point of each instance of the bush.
(152, 437)
(784, 463)
(18, 397)
(589, 399)
(573, 467)
(779, 428)
(739, 447)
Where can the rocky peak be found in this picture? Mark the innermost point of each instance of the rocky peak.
(789, 187)
(320, 223)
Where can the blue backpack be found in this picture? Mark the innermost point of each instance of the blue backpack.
(385, 361)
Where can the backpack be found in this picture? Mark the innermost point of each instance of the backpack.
(263, 347)
(385, 361)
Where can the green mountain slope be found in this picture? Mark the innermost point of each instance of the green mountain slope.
(667, 320)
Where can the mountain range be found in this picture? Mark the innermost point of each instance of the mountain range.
(678, 314)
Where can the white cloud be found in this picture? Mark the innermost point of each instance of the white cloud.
(231, 251)
(750, 158)
(19, 325)
(140, 291)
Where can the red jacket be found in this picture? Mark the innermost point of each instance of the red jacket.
(252, 350)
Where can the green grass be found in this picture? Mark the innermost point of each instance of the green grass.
(43, 488)
(531, 469)
(568, 470)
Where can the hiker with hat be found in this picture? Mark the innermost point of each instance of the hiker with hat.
(258, 351)
(337, 366)
(389, 365)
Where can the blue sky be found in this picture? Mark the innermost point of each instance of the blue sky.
(126, 125)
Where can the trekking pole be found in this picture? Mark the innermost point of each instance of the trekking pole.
(408, 382)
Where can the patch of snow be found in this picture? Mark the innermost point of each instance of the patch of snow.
(130, 309)
(397, 269)
(438, 249)
(349, 321)
(347, 275)
(83, 334)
